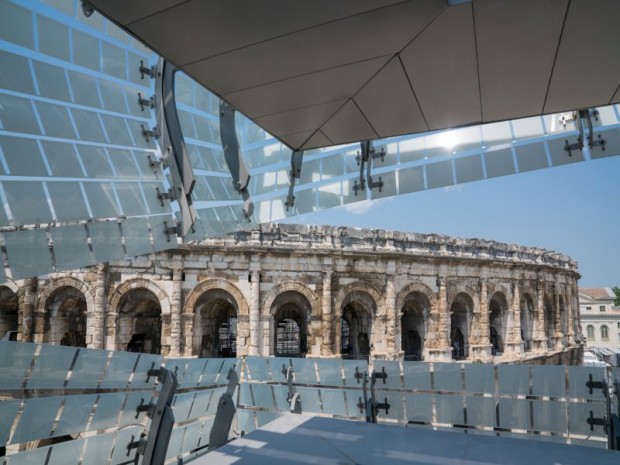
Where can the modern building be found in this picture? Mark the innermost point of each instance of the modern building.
(600, 319)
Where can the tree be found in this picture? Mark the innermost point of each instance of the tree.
(617, 292)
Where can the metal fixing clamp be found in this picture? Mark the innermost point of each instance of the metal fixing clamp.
(370, 405)
(364, 160)
(225, 412)
(293, 398)
(297, 158)
(581, 116)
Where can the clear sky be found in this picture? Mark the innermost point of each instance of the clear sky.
(571, 209)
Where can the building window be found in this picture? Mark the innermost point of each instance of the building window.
(618, 325)
(601, 308)
(588, 308)
(590, 330)
(604, 333)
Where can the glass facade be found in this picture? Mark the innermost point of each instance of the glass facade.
(79, 181)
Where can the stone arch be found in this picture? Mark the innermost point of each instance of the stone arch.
(453, 289)
(527, 307)
(462, 306)
(413, 306)
(296, 286)
(9, 312)
(498, 320)
(138, 306)
(216, 305)
(356, 307)
(65, 303)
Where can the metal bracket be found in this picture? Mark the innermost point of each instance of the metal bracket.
(87, 8)
(146, 102)
(225, 413)
(156, 164)
(150, 133)
(370, 405)
(592, 421)
(297, 158)
(580, 116)
(148, 408)
(169, 195)
(364, 160)
(293, 398)
(171, 231)
(151, 71)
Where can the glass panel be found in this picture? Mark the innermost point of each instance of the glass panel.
(304, 371)
(28, 202)
(191, 440)
(16, 25)
(480, 411)
(411, 180)
(124, 163)
(55, 120)
(125, 437)
(68, 201)
(62, 159)
(75, 414)
(419, 407)
(330, 372)
(51, 367)
(417, 375)
(84, 89)
(135, 399)
(263, 396)
(468, 169)
(98, 448)
(101, 199)
(392, 368)
(119, 370)
(137, 239)
(514, 413)
(396, 410)
(449, 409)
(88, 369)
(131, 199)
(245, 421)
(96, 162)
(113, 97)
(479, 378)
(71, 247)
(51, 81)
(145, 363)
(182, 406)
(549, 415)
(448, 377)
(117, 131)
(108, 410)
(19, 79)
(333, 402)
(193, 372)
(580, 413)
(353, 398)
(201, 402)
(88, 126)
(16, 114)
(53, 38)
(23, 157)
(499, 163)
(215, 398)
(257, 368)
(513, 379)
(389, 185)
(31, 457)
(280, 393)
(15, 360)
(439, 174)
(153, 203)
(531, 157)
(85, 50)
(211, 372)
(161, 240)
(350, 367)
(28, 253)
(577, 379)
(106, 241)
(245, 394)
(8, 410)
(262, 418)
(113, 60)
(309, 399)
(37, 419)
(206, 432)
(559, 156)
(549, 381)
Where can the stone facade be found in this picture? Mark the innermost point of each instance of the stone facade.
(325, 291)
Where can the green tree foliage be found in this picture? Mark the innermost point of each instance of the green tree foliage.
(617, 292)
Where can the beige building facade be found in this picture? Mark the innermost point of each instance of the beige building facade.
(291, 290)
(599, 317)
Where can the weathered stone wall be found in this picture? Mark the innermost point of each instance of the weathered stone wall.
(330, 291)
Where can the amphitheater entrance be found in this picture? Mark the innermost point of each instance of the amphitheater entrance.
(528, 317)
(461, 312)
(498, 311)
(549, 323)
(8, 314)
(355, 330)
(291, 312)
(139, 322)
(65, 317)
(413, 325)
(215, 325)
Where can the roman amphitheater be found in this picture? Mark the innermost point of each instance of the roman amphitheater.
(290, 290)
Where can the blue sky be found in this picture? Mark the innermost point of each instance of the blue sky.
(571, 209)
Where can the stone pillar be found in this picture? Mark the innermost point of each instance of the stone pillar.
(438, 341)
(539, 337)
(558, 336)
(327, 316)
(391, 324)
(187, 322)
(254, 311)
(514, 346)
(26, 309)
(480, 347)
(95, 321)
(39, 332)
(576, 320)
(176, 308)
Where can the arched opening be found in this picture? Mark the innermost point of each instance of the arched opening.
(528, 317)
(139, 322)
(497, 322)
(291, 312)
(8, 314)
(413, 325)
(460, 318)
(356, 328)
(590, 332)
(65, 317)
(549, 323)
(215, 325)
(604, 333)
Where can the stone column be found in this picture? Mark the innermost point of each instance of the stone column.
(327, 316)
(480, 347)
(514, 346)
(576, 320)
(391, 323)
(539, 337)
(254, 311)
(39, 332)
(558, 336)
(438, 341)
(26, 309)
(176, 308)
(95, 327)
